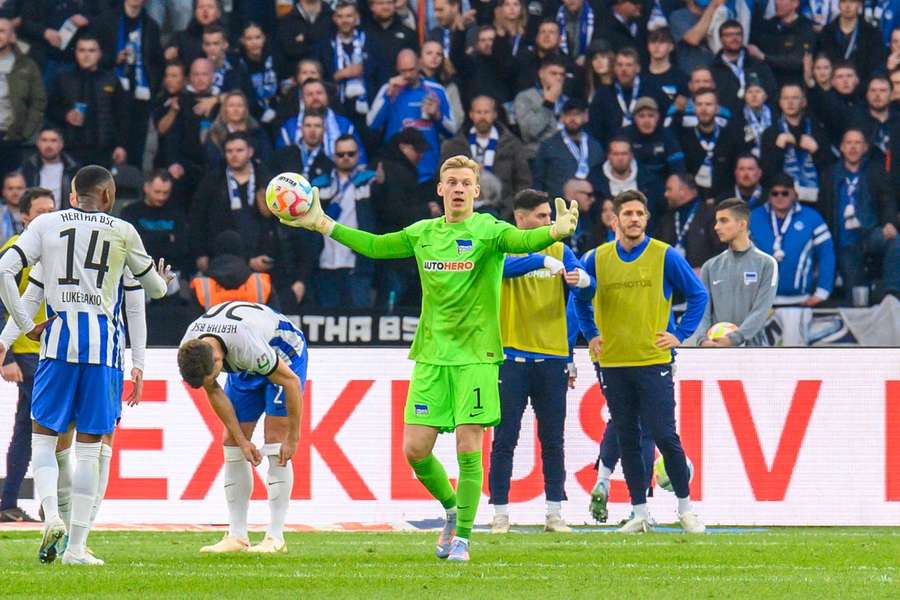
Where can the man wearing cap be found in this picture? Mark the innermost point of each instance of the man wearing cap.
(655, 148)
(570, 152)
(613, 105)
(733, 65)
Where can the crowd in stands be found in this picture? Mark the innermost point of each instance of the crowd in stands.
(790, 105)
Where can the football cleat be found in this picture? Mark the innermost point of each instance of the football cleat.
(556, 524)
(16, 515)
(500, 524)
(459, 550)
(636, 525)
(229, 543)
(691, 523)
(442, 550)
(269, 545)
(599, 498)
(54, 532)
(83, 558)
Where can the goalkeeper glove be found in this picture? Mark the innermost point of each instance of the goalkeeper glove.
(314, 219)
(566, 219)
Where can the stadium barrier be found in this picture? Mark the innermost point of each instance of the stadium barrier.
(776, 436)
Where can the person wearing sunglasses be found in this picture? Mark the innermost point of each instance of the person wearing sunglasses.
(345, 277)
(798, 237)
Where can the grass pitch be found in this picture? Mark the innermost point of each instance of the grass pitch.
(777, 563)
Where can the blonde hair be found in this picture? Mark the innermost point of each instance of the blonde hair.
(460, 161)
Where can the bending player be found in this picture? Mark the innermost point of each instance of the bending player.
(265, 357)
(83, 253)
(457, 347)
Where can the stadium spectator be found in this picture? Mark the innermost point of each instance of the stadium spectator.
(309, 156)
(186, 45)
(587, 231)
(235, 116)
(599, 68)
(850, 37)
(10, 216)
(700, 79)
(876, 120)
(161, 223)
(756, 113)
(747, 178)
(302, 30)
(571, 152)
(689, 224)
(621, 172)
(511, 22)
(231, 277)
(612, 108)
(344, 278)
(529, 62)
(578, 26)
(654, 146)
(690, 29)
(495, 148)
(49, 167)
(782, 41)
(663, 80)
(290, 97)
(835, 107)
(228, 73)
(628, 27)
(437, 68)
(893, 58)
(169, 120)
(198, 109)
(710, 148)
(538, 109)
(22, 99)
(352, 60)
(129, 42)
(796, 144)
(798, 238)
(446, 14)
(408, 97)
(860, 207)
(741, 282)
(820, 14)
(314, 96)
(734, 65)
(486, 70)
(265, 69)
(388, 30)
(19, 367)
(400, 199)
(232, 198)
(91, 108)
(178, 12)
(819, 72)
(50, 28)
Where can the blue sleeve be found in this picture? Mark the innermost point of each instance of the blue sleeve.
(674, 154)
(571, 324)
(447, 125)
(516, 266)
(823, 249)
(378, 113)
(583, 297)
(678, 275)
(570, 260)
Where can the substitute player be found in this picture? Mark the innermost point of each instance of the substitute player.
(83, 253)
(265, 357)
(635, 279)
(457, 347)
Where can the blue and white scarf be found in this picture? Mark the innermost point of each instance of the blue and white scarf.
(218, 84)
(265, 86)
(756, 125)
(484, 155)
(135, 43)
(585, 29)
(737, 68)
(820, 12)
(628, 108)
(580, 153)
(332, 131)
(342, 60)
(446, 43)
(682, 229)
(308, 157)
(234, 189)
(798, 163)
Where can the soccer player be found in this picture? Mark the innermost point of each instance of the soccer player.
(83, 253)
(534, 328)
(635, 279)
(457, 347)
(265, 357)
(742, 281)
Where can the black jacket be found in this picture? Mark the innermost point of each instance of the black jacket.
(31, 171)
(289, 158)
(391, 41)
(877, 209)
(869, 52)
(528, 63)
(299, 39)
(729, 145)
(700, 241)
(40, 15)
(784, 46)
(727, 83)
(834, 110)
(163, 230)
(487, 75)
(189, 43)
(772, 157)
(107, 30)
(106, 119)
(400, 200)
(606, 113)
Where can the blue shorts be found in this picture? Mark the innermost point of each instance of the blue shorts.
(252, 394)
(90, 395)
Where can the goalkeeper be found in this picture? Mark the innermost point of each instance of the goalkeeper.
(457, 348)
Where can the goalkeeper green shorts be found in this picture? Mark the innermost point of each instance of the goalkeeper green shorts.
(447, 396)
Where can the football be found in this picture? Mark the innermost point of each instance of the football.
(289, 195)
(720, 329)
(662, 478)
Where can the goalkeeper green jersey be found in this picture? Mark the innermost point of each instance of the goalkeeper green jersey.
(461, 268)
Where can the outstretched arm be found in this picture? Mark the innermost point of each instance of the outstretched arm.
(388, 245)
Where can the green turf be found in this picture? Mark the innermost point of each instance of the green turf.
(780, 563)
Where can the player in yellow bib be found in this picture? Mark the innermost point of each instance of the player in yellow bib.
(457, 347)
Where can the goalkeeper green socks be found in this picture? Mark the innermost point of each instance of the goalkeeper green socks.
(468, 491)
(431, 473)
